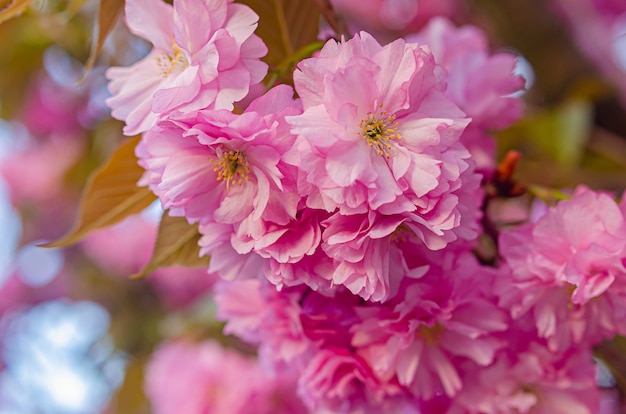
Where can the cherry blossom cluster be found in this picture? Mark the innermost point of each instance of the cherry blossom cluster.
(342, 215)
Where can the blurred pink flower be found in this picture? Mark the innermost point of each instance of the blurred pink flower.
(530, 379)
(568, 270)
(338, 381)
(15, 293)
(37, 172)
(51, 109)
(122, 249)
(180, 286)
(480, 83)
(241, 304)
(387, 19)
(205, 55)
(200, 378)
(255, 311)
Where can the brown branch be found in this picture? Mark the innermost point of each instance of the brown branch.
(336, 23)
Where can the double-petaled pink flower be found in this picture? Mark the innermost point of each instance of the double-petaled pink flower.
(377, 133)
(353, 354)
(226, 170)
(197, 378)
(482, 84)
(205, 55)
(435, 323)
(568, 269)
(526, 377)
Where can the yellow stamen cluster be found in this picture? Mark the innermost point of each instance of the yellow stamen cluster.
(169, 63)
(231, 167)
(431, 334)
(378, 129)
(402, 233)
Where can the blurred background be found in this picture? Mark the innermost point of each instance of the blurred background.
(75, 330)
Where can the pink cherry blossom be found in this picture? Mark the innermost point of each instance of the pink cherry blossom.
(51, 109)
(530, 379)
(298, 329)
(256, 312)
(315, 271)
(184, 377)
(122, 249)
(339, 381)
(355, 355)
(480, 83)
(386, 19)
(568, 270)
(367, 259)
(227, 170)
(423, 335)
(225, 260)
(287, 242)
(205, 55)
(36, 172)
(378, 134)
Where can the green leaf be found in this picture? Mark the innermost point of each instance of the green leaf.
(286, 26)
(12, 8)
(572, 126)
(108, 13)
(176, 244)
(111, 195)
(559, 134)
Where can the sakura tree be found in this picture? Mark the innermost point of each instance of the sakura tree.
(334, 206)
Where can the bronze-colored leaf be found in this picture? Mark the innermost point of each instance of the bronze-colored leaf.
(130, 397)
(613, 354)
(176, 244)
(12, 8)
(285, 26)
(108, 13)
(111, 194)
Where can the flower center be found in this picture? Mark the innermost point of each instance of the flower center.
(169, 64)
(378, 129)
(231, 167)
(402, 233)
(431, 334)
